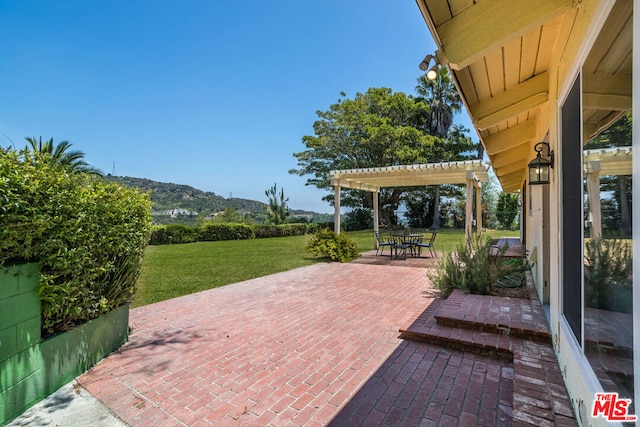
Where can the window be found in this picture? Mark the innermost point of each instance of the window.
(596, 204)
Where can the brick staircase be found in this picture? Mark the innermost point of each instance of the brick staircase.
(503, 327)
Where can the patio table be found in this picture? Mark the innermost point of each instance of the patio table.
(407, 241)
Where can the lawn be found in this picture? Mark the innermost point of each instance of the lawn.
(174, 270)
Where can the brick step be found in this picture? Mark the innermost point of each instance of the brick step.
(513, 317)
(509, 328)
(496, 329)
(460, 339)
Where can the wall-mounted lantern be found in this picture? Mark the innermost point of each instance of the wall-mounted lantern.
(539, 168)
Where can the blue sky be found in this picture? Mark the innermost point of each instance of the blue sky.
(215, 94)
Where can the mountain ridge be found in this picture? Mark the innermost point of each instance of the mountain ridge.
(188, 200)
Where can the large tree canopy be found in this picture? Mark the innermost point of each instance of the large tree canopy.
(375, 129)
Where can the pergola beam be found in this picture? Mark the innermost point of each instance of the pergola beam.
(470, 172)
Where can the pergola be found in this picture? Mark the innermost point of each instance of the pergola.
(603, 162)
(471, 172)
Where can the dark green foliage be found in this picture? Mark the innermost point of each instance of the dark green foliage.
(215, 232)
(283, 230)
(89, 236)
(608, 274)
(173, 234)
(358, 219)
(276, 211)
(336, 247)
(507, 211)
(177, 233)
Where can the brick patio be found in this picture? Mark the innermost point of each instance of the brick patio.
(314, 346)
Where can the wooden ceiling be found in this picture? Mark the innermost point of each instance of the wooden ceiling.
(500, 53)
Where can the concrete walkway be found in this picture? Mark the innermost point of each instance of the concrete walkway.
(312, 346)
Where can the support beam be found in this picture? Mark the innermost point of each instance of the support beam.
(527, 96)
(514, 155)
(502, 141)
(376, 217)
(336, 214)
(593, 191)
(487, 25)
(468, 229)
(479, 210)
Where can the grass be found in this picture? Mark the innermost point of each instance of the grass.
(175, 270)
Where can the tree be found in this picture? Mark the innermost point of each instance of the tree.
(59, 154)
(277, 210)
(443, 98)
(230, 215)
(420, 203)
(377, 128)
(507, 210)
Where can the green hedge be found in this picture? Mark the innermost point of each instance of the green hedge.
(228, 231)
(88, 234)
(175, 233)
(283, 230)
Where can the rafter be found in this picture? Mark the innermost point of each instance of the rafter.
(511, 137)
(516, 154)
(526, 96)
(491, 24)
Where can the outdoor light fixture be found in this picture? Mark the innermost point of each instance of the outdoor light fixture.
(424, 65)
(539, 168)
(433, 71)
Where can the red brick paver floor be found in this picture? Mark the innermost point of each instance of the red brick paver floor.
(320, 346)
(292, 348)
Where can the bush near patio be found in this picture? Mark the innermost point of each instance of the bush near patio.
(88, 235)
(476, 268)
(330, 245)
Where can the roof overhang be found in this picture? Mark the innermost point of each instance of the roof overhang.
(502, 54)
(373, 179)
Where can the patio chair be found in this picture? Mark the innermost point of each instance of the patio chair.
(400, 245)
(428, 244)
(380, 244)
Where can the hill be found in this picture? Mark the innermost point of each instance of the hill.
(183, 203)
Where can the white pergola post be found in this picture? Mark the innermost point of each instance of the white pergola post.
(593, 190)
(336, 203)
(479, 208)
(376, 218)
(469, 207)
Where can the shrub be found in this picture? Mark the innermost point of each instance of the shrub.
(472, 268)
(336, 247)
(282, 230)
(88, 234)
(173, 234)
(226, 231)
(608, 274)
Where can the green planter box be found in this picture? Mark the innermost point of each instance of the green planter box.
(35, 368)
